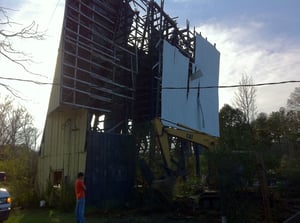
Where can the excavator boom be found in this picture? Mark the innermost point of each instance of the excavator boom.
(183, 132)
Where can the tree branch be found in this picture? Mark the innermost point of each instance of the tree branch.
(7, 36)
(11, 90)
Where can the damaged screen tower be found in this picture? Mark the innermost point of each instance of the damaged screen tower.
(112, 59)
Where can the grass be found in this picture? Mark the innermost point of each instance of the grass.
(39, 215)
(53, 216)
(45, 216)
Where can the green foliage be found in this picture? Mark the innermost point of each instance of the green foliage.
(60, 197)
(189, 187)
(289, 173)
(277, 137)
(263, 136)
(235, 172)
(20, 164)
(234, 169)
(235, 132)
(292, 132)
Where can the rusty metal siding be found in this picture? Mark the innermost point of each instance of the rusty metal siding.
(110, 170)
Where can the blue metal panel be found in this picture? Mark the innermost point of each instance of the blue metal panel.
(110, 169)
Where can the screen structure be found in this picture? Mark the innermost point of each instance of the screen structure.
(191, 100)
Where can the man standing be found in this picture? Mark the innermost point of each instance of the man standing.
(80, 198)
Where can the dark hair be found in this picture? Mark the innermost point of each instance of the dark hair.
(80, 174)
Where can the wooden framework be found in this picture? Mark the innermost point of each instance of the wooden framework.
(112, 58)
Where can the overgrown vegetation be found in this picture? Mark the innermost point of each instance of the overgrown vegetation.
(276, 138)
(61, 197)
(19, 163)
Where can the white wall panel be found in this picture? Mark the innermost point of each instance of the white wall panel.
(175, 68)
(198, 107)
(207, 58)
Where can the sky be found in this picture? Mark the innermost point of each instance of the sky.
(257, 38)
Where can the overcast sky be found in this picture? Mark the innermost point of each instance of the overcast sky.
(259, 38)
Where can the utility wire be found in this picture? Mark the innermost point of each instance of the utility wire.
(52, 14)
(234, 86)
(169, 88)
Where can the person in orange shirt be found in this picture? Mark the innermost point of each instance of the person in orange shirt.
(80, 198)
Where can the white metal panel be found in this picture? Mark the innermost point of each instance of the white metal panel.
(194, 105)
(175, 68)
(207, 59)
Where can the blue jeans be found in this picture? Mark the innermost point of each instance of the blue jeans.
(79, 210)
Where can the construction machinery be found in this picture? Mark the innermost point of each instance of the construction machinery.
(177, 161)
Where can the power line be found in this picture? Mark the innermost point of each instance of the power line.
(52, 14)
(170, 88)
(234, 86)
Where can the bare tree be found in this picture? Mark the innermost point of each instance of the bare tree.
(11, 31)
(293, 103)
(16, 126)
(245, 98)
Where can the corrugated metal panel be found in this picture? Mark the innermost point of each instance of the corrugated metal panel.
(110, 171)
(63, 146)
(54, 101)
